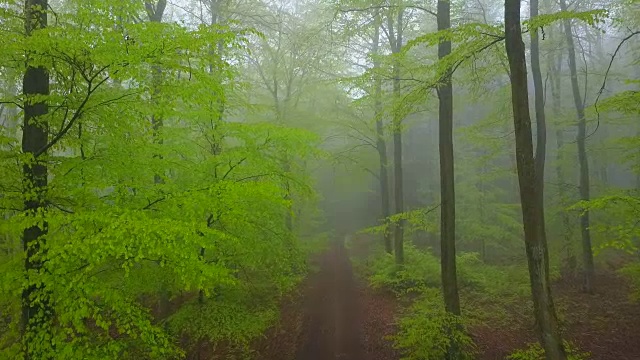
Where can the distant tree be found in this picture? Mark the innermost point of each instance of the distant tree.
(583, 161)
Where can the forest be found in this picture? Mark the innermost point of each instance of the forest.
(320, 179)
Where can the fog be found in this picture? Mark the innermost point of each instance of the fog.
(183, 178)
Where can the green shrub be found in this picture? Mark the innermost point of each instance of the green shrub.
(425, 330)
(535, 352)
(420, 271)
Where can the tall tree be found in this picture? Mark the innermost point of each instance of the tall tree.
(538, 91)
(395, 40)
(37, 308)
(555, 65)
(535, 244)
(381, 145)
(447, 186)
(587, 251)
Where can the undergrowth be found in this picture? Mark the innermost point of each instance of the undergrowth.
(427, 331)
(632, 272)
(424, 328)
(535, 352)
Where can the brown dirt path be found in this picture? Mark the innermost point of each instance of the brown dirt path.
(332, 318)
(343, 318)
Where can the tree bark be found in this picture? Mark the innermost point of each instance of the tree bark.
(37, 307)
(381, 145)
(587, 251)
(537, 254)
(447, 184)
(541, 124)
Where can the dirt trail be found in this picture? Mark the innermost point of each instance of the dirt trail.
(344, 320)
(333, 320)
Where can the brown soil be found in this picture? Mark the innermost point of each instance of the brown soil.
(605, 324)
(341, 317)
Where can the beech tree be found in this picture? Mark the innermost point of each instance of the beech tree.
(532, 210)
(587, 251)
(37, 301)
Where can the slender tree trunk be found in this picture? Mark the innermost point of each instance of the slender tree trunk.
(447, 184)
(37, 308)
(587, 251)
(397, 146)
(569, 261)
(381, 145)
(541, 124)
(537, 254)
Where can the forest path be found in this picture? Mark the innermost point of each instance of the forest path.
(344, 319)
(332, 311)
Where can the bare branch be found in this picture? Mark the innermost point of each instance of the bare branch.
(604, 81)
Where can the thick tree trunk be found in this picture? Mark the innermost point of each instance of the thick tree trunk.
(447, 184)
(587, 251)
(537, 254)
(37, 308)
(381, 145)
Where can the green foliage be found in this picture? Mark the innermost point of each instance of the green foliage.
(426, 330)
(632, 273)
(507, 282)
(420, 271)
(138, 215)
(619, 223)
(535, 352)
(591, 17)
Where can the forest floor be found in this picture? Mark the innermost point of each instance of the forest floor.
(604, 324)
(337, 316)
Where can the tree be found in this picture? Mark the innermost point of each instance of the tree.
(447, 190)
(381, 145)
(535, 243)
(587, 251)
(538, 90)
(395, 40)
(37, 308)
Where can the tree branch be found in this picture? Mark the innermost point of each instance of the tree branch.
(604, 81)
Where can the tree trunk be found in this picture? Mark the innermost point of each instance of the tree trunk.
(537, 253)
(587, 251)
(447, 184)
(541, 125)
(569, 260)
(397, 147)
(381, 145)
(37, 308)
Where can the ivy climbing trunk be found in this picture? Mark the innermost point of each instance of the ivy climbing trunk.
(396, 46)
(381, 145)
(37, 307)
(587, 251)
(447, 184)
(535, 244)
